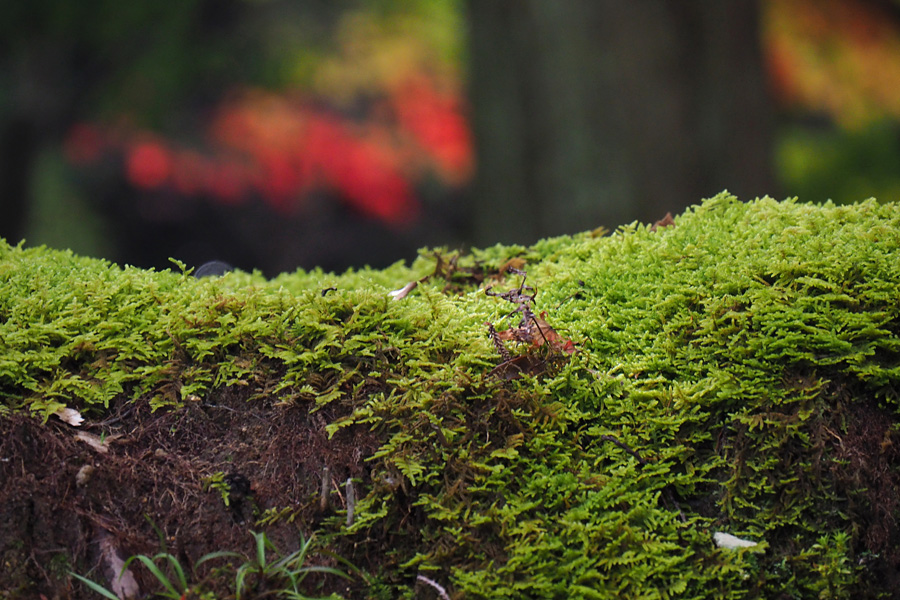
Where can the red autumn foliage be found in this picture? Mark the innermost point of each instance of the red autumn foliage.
(837, 57)
(437, 122)
(148, 164)
(282, 150)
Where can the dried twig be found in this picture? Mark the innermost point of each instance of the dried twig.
(625, 447)
(326, 484)
(440, 589)
(522, 296)
(498, 343)
(351, 501)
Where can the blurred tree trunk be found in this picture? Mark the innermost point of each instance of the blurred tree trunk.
(600, 112)
(16, 160)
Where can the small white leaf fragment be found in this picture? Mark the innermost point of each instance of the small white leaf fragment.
(70, 416)
(100, 445)
(726, 540)
(402, 292)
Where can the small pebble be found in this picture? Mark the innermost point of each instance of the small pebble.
(84, 475)
(213, 268)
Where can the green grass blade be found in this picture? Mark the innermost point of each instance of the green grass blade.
(95, 586)
(329, 570)
(289, 561)
(179, 571)
(159, 534)
(353, 568)
(239, 580)
(260, 548)
(298, 596)
(160, 576)
(215, 555)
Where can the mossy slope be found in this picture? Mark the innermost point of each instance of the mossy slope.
(738, 371)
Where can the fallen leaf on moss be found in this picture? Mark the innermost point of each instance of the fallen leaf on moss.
(726, 540)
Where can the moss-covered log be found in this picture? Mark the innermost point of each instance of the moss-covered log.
(577, 419)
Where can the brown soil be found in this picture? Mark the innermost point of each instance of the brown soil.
(61, 499)
(59, 496)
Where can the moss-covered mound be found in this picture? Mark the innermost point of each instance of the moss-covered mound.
(579, 419)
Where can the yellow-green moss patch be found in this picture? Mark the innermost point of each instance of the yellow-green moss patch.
(737, 372)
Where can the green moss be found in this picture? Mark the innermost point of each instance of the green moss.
(738, 371)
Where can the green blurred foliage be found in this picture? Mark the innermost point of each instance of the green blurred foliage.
(834, 69)
(149, 58)
(818, 164)
(60, 216)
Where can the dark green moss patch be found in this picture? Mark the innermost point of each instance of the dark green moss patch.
(737, 371)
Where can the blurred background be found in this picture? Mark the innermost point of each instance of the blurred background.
(276, 134)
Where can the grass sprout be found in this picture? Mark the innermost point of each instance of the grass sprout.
(267, 573)
(284, 574)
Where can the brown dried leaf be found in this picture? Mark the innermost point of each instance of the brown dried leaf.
(513, 264)
(666, 221)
